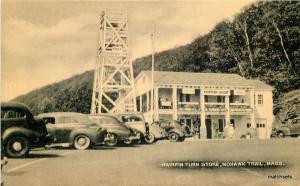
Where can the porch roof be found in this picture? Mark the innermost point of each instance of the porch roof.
(198, 79)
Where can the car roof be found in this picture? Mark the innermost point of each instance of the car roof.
(57, 114)
(101, 115)
(14, 105)
(124, 113)
(17, 105)
(117, 115)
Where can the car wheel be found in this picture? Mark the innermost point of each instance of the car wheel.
(149, 139)
(173, 137)
(127, 142)
(17, 146)
(280, 134)
(82, 142)
(114, 140)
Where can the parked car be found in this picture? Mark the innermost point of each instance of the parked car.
(155, 133)
(291, 128)
(135, 121)
(75, 129)
(117, 131)
(20, 131)
(175, 131)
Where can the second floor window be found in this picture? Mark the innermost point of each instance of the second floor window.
(184, 98)
(221, 99)
(187, 98)
(260, 99)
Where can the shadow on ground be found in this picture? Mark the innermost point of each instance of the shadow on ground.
(36, 155)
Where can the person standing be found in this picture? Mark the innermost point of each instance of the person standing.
(231, 131)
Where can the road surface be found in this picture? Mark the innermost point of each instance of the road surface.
(142, 164)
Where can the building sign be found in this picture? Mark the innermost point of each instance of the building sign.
(217, 92)
(188, 91)
(239, 92)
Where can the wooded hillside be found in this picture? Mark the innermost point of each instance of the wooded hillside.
(261, 42)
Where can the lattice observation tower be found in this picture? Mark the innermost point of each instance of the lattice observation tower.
(113, 89)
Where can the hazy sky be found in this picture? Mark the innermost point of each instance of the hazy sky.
(44, 42)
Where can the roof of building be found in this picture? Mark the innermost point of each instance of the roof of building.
(215, 79)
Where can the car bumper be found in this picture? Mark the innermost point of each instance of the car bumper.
(134, 137)
(42, 141)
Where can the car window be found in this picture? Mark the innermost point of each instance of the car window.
(126, 119)
(12, 114)
(135, 118)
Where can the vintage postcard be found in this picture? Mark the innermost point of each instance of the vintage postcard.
(150, 93)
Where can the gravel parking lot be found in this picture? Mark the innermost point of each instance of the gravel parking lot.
(141, 164)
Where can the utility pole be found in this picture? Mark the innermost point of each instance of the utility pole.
(152, 77)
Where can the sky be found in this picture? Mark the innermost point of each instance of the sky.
(45, 42)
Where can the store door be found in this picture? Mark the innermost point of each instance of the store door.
(188, 122)
(208, 128)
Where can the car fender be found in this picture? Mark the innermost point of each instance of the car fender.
(91, 133)
(180, 133)
(284, 130)
(157, 132)
(18, 131)
(121, 134)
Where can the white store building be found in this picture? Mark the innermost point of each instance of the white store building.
(215, 99)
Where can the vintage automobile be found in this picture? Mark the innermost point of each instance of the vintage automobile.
(291, 128)
(117, 131)
(175, 131)
(135, 121)
(75, 129)
(155, 133)
(20, 131)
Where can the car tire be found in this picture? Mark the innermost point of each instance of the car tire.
(149, 139)
(174, 137)
(82, 142)
(113, 142)
(17, 147)
(128, 142)
(280, 134)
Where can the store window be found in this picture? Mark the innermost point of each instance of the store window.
(221, 99)
(260, 125)
(260, 99)
(184, 97)
(181, 97)
(187, 98)
(248, 125)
